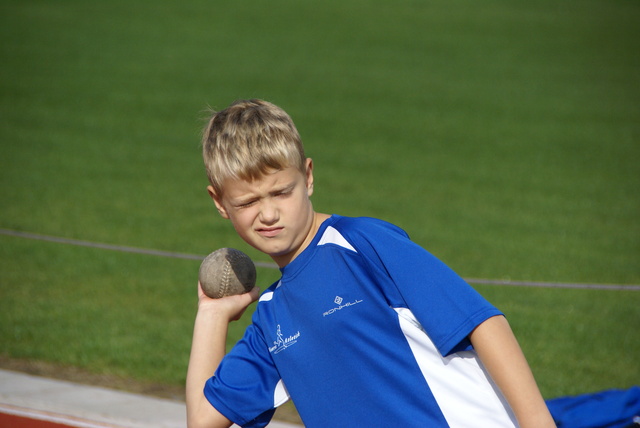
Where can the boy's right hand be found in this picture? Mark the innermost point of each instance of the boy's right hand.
(208, 349)
(231, 307)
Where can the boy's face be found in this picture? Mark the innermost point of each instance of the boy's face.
(273, 213)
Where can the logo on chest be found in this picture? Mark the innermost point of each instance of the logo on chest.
(341, 304)
(281, 343)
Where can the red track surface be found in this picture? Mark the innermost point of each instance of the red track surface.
(14, 421)
(18, 417)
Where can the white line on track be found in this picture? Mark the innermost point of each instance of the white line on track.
(175, 255)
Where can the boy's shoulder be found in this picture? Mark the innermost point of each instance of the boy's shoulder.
(363, 226)
(360, 223)
(355, 234)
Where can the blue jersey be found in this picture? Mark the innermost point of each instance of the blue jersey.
(365, 328)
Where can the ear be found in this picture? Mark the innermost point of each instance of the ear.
(309, 176)
(218, 201)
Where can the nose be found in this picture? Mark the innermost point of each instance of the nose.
(269, 213)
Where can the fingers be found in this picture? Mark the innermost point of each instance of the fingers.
(200, 290)
(231, 306)
(254, 293)
(246, 299)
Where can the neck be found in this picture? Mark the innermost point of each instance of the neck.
(316, 220)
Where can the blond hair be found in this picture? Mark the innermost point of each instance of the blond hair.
(248, 139)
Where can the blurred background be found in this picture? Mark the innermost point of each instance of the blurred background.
(503, 136)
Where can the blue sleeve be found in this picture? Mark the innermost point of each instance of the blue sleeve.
(243, 386)
(445, 305)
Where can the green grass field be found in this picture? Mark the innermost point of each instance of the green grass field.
(504, 137)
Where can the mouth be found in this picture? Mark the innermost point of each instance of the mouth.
(269, 232)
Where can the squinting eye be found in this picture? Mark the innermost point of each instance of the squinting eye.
(247, 204)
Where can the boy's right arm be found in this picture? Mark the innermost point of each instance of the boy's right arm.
(207, 350)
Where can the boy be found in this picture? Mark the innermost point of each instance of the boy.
(364, 329)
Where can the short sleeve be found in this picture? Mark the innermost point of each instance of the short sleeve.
(445, 305)
(245, 384)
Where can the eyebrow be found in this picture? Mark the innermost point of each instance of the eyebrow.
(243, 200)
(284, 188)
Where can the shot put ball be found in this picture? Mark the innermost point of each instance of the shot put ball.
(227, 272)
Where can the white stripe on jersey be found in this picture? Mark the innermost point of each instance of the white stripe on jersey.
(280, 394)
(461, 386)
(332, 236)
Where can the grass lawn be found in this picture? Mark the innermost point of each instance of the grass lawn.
(504, 137)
